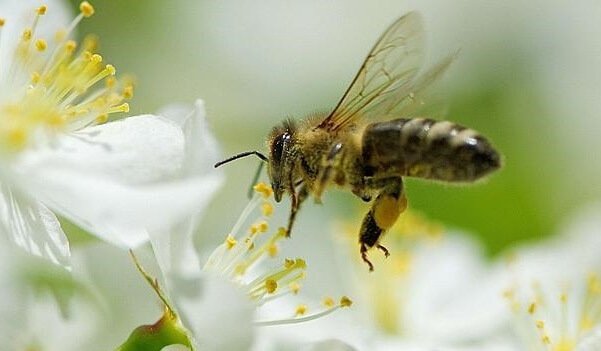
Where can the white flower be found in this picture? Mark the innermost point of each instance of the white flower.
(554, 289)
(222, 302)
(116, 180)
(434, 292)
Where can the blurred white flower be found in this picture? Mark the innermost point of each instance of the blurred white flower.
(554, 290)
(435, 292)
(115, 180)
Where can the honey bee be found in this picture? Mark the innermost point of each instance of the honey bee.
(374, 137)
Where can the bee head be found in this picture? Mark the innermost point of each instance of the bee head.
(280, 158)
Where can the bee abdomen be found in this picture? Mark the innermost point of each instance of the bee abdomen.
(426, 148)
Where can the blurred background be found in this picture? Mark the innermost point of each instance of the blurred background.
(528, 76)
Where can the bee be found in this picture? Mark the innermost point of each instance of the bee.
(374, 137)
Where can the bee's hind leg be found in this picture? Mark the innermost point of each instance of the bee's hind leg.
(387, 207)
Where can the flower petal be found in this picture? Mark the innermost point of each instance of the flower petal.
(175, 248)
(216, 311)
(30, 225)
(118, 180)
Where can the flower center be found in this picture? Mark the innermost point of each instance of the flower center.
(240, 254)
(55, 87)
(557, 323)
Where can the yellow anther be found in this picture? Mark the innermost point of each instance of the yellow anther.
(328, 302)
(254, 229)
(102, 119)
(563, 298)
(124, 107)
(540, 324)
(2, 22)
(128, 91)
(35, 77)
(272, 250)
(267, 209)
(41, 45)
(294, 287)
(70, 46)
(271, 286)
(282, 232)
(95, 58)
(345, 301)
(263, 189)
(546, 340)
(240, 269)
(301, 310)
(263, 226)
(288, 263)
(230, 242)
(532, 308)
(110, 81)
(86, 9)
(26, 36)
(110, 69)
(41, 10)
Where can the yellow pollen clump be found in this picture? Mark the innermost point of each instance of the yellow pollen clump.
(230, 242)
(282, 232)
(540, 324)
(35, 77)
(271, 285)
(301, 310)
(272, 250)
(532, 308)
(267, 209)
(563, 298)
(294, 287)
(128, 91)
(345, 301)
(263, 189)
(546, 339)
(102, 119)
(87, 10)
(328, 302)
(41, 10)
(26, 36)
(41, 45)
(2, 22)
(263, 226)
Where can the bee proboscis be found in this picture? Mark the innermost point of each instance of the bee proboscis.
(374, 137)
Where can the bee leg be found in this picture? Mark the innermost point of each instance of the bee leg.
(387, 207)
(364, 257)
(325, 175)
(383, 249)
(297, 200)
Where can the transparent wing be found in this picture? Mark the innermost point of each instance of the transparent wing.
(387, 82)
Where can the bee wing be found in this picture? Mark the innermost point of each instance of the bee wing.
(387, 82)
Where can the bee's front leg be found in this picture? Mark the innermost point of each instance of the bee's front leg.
(387, 207)
(296, 199)
(325, 174)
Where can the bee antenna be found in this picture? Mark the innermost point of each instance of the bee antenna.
(240, 155)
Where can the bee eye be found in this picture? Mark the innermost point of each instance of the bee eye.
(278, 146)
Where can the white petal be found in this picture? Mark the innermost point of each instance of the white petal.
(175, 249)
(118, 180)
(591, 341)
(30, 225)
(452, 294)
(218, 313)
(136, 150)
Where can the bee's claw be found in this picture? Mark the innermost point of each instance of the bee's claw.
(384, 250)
(364, 257)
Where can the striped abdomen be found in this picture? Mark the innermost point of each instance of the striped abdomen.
(426, 148)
